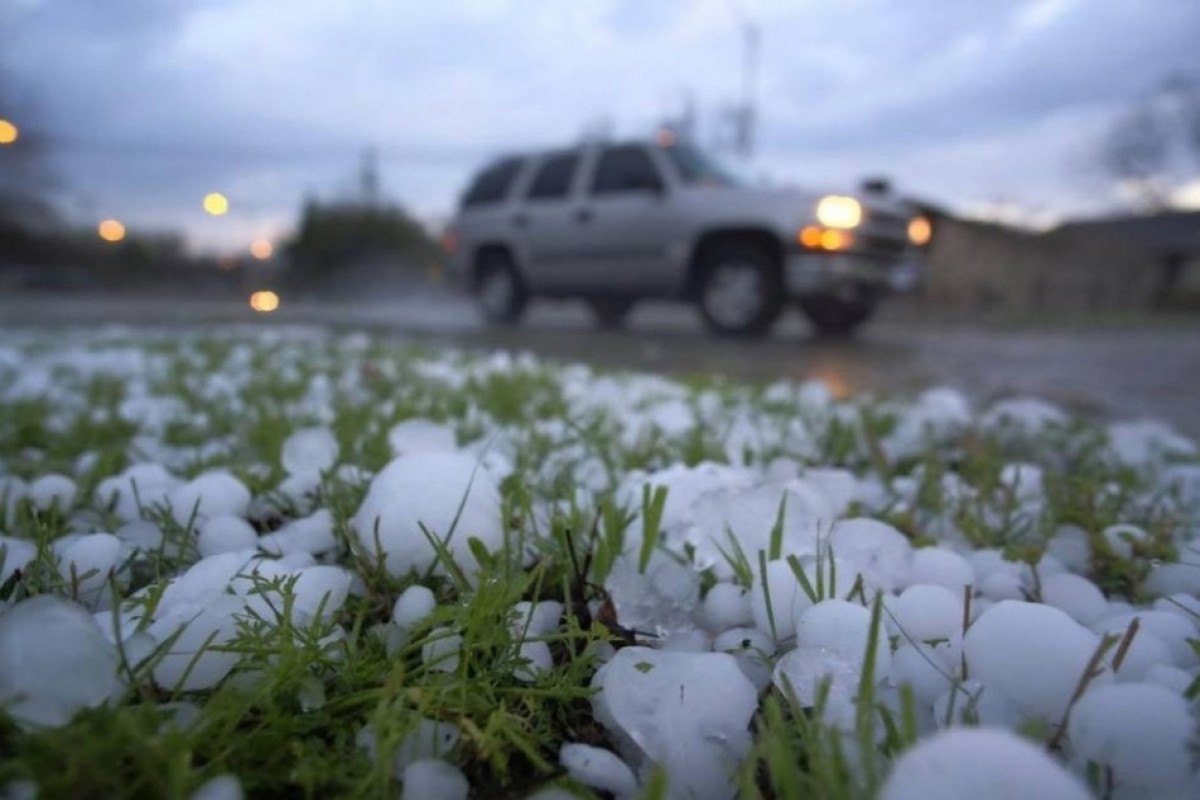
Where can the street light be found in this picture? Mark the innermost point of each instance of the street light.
(216, 203)
(111, 230)
(8, 132)
(261, 249)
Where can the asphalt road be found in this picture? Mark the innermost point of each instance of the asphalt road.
(1102, 372)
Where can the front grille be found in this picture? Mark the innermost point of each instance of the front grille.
(884, 246)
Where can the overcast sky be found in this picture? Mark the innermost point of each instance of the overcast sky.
(152, 103)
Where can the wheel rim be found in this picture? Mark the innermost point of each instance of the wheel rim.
(497, 291)
(734, 294)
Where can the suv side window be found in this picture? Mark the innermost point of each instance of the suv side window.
(553, 177)
(625, 169)
(492, 184)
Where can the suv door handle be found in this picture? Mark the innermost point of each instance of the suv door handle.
(520, 220)
(583, 216)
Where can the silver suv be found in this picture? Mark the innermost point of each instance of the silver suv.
(614, 223)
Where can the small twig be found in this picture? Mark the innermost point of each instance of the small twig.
(1092, 670)
(1126, 641)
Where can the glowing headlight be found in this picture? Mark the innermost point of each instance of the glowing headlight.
(920, 231)
(839, 211)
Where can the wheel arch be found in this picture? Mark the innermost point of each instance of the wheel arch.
(768, 240)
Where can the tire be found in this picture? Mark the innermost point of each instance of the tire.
(739, 288)
(610, 312)
(837, 317)
(499, 290)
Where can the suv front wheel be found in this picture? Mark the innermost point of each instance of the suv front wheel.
(837, 316)
(739, 289)
(499, 290)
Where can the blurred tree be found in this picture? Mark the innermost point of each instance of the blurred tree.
(338, 236)
(26, 181)
(1155, 146)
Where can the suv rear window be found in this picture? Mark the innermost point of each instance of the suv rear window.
(553, 177)
(492, 184)
(625, 169)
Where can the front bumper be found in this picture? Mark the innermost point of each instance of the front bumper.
(812, 272)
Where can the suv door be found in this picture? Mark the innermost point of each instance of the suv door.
(624, 225)
(544, 222)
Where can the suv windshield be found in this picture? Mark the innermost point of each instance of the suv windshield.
(697, 169)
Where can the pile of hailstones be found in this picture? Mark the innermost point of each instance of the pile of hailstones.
(685, 697)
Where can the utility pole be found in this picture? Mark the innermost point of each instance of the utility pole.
(747, 112)
(368, 178)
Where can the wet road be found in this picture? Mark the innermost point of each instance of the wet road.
(1102, 373)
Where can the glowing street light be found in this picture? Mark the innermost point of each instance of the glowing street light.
(264, 301)
(261, 249)
(216, 203)
(8, 132)
(111, 230)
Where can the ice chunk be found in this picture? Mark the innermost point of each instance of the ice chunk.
(726, 606)
(1122, 539)
(925, 667)
(225, 534)
(1070, 546)
(429, 739)
(981, 764)
(752, 648)
(222, 787)
(14, 554)
(661, 600)
(535, 619)
(688, 712)
(209, 495)
(320, 589)
(421, 436)
(748, 517)
(87, 563)
(442, 649)
(941, 567)
(312, 534)
(52, 490)
(434, 779)
(928, 612)
(598, 768)
(446, 494)
(1173, 630)
(1140, 442)
(193, 660)
(309, 451)
(1169, 579)
(1141, 732)
(1021, 417)
(878, 549)
(777, 601)
(139, 487)
(413, 605)
(1032, 653)
(1076, 595)
(536, 658)
(54, 660)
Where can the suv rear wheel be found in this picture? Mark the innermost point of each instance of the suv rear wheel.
(610, 312)
(499, 290)
(837, 316)
(739, 289)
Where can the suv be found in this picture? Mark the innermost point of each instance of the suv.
(614, 223)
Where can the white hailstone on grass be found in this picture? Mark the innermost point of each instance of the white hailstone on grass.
(1076, 595)
(1173, 630)
(320, 591)
(1172, 579)
(138, 487)
(928, 669)
(222, 787)
(1139, 731)
(52, 490)
(12, 491)
(434, 779)
(685, 485)
(442, 650)
(1184, 481)
(421, 436)
(536, 659)
(752, 648)
(141, 535)
(192, 662)
(86, 563)
(687, 712)
(312, 534)
(970, 702)
(54, 660)
(1174, 679)
(1070, 545)
(413, 605)
(1123, 538)
(661, 599)
(1031, 653)
(1024, 481)
(726, 606)
(209, 495)
(207, 578)
(1186, 605)
(936, 565)
(448, 494)
(927, 612)
(309, 451)
(535, 619)
(832, 638)
(981, 764)
(1140, 442)
(225, 534)
(598, 768)
(777, 600)
(880, 551)
(1021, 417)
(14, 555)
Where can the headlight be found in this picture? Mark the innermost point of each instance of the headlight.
(839, 211)
(920, 231)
